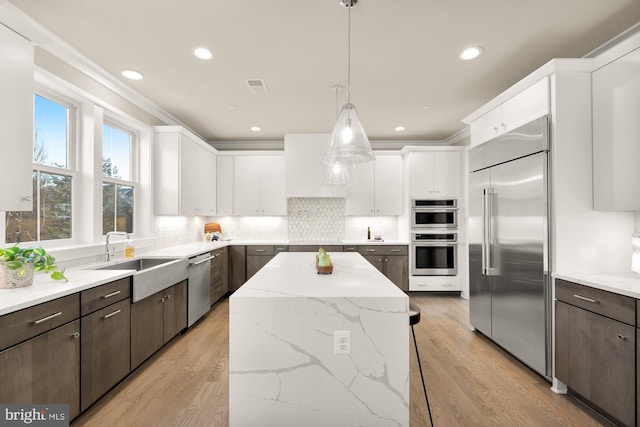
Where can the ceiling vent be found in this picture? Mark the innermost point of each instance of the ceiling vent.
(256, 85)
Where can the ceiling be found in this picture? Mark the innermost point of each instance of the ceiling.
(405, 66)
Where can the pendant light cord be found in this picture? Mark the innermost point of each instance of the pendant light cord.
(349, 6)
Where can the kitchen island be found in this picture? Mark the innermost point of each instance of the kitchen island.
(283, 370)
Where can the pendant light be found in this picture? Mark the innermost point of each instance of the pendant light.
(349, 145)
(337, 174)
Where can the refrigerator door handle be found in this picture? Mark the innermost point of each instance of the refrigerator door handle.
(487, 235)
(484, 231)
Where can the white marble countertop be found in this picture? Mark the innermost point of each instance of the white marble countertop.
(46, 289)
(620, 283)
(82, 277)
(293, 274)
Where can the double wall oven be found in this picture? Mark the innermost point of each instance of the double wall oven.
(434, 237)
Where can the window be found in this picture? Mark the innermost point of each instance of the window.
(118, 186)
(51, 216)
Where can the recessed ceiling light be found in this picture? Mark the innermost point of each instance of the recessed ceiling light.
(132, 74)
(202, 53)
(471, 52)
(231, 107)
(255, 129)
(399, 128)
(427, 107)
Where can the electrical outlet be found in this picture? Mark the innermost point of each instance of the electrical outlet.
(342, 342)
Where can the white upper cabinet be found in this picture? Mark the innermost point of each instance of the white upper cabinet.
(376, 188)
(16, 110)
(616, 134)
(259, 185)
(304, 167)
(224, 185)
(185, 173)
(434, 174)
(529, 104)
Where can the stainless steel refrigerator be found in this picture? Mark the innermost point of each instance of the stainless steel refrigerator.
(509, 263)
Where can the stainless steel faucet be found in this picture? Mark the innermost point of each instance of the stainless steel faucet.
(107, 255)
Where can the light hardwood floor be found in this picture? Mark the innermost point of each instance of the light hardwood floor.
(470, 381)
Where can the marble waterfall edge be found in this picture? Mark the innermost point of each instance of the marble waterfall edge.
(283, 370)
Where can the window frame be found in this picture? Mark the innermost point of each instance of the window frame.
(134, 169)
(71, 169)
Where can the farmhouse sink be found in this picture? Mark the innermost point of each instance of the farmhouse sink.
(151, 274)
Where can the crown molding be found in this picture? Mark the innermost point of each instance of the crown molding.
(44, 39)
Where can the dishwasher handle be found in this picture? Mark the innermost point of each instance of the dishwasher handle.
(192, 263)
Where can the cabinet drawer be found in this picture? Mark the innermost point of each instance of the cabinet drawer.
(32, 321)
(314, 248)
(101, 296)
(260, 250)
(216, 273)
(618, 307)
(383, 250)
(219, 252)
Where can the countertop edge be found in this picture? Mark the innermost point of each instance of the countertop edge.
(627, 284)
(45, 289)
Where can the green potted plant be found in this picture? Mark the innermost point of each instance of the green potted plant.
(18, 264)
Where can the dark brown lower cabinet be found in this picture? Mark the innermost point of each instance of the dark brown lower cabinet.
(219, 274)
(175, 310)
(44, 369)
(596, 358)
(237, 267)
(105, 350)
(392, 261)
(155, 320)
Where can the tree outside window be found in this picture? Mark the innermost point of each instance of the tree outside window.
(117, 186)
(51, 216)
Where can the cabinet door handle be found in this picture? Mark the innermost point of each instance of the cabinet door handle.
(44, 319)
(112, 294)
(261, 250)
(586, 299)
(202, 261)
(162, 299)
(27, 198)
(386, 260)
(395, 250)
(112, 314)
(169, 296)
(621, 337)
(369, 250)
(350, 249)
(75, 335)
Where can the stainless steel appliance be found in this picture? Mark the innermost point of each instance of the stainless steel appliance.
(509, 264)
(434, 254)
(199, 287)
(434, 213)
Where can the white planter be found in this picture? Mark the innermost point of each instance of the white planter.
(19, 278)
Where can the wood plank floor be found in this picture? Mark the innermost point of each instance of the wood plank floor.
(470, 381)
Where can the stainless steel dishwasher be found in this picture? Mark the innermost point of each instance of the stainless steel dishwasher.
(199, 288)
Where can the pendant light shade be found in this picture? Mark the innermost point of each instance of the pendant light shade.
(349, 145)
(337, 174)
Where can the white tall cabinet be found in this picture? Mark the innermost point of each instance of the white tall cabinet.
(185, 173)
(376, 188)
(258, 185)
(16, 110)
(616, 134)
